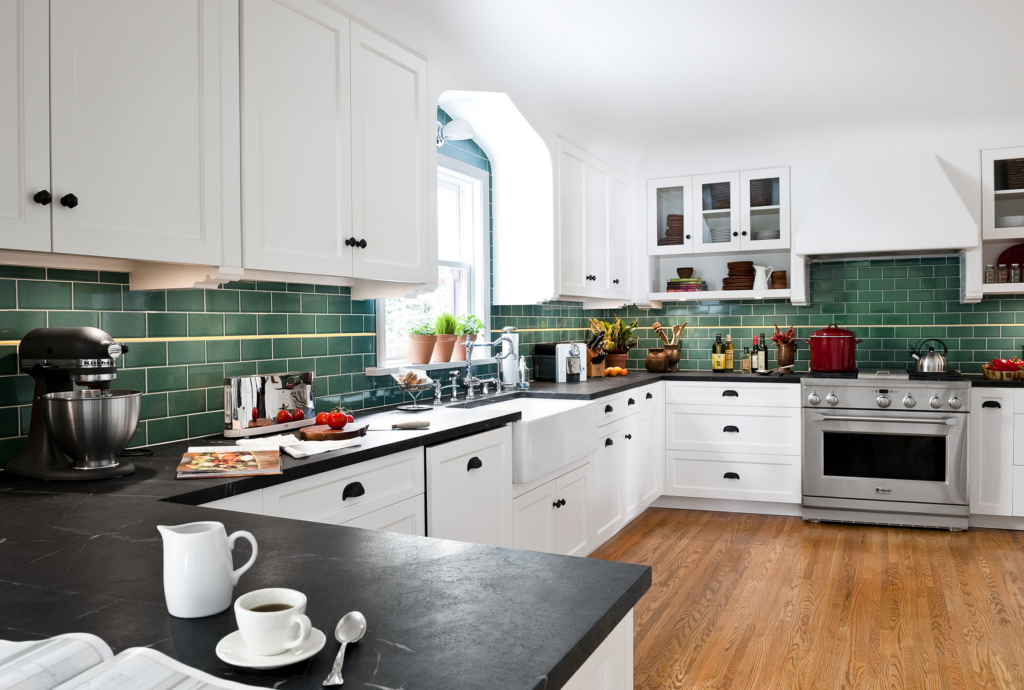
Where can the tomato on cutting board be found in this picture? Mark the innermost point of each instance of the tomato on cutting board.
(321, 419)
(283, 415)
(298, 415)
(337, 420)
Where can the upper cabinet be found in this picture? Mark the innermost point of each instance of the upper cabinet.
(1002, 194)
(716, 211)
(594, 222)
(764, 209)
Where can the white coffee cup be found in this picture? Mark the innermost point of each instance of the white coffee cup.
(267, 633)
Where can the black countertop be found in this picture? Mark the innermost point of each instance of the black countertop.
(979, 381)
(86, 557)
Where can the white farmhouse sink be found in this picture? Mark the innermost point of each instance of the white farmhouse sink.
(551, 434)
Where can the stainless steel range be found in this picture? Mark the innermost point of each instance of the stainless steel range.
(887, 448)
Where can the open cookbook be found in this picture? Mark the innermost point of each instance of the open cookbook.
(229, 461)
(80, 661)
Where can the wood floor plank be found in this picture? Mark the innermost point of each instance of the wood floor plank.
(774, 603)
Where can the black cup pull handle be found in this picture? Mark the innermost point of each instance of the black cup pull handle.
(730, 394)
(69, 200)
(731, 430)
(608, 409)
(650, 396)
(353, 490)
(730, 475)
(608, 442)
(474, 464)
(991, 403)
(631, 402)
(42, 197)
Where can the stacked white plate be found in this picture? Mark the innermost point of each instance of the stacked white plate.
(720, 229)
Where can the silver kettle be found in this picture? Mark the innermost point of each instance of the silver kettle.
(931, 360)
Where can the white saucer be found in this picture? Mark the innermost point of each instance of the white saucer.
(232, 650)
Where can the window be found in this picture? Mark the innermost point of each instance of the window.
(463, 266)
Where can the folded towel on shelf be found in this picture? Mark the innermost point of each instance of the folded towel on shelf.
(304, 449)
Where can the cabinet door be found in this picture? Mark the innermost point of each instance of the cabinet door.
(572, 178)
(533, 519)
(24, 124)
(1002, 194)
(572, 517)
(608, 479)
(144, 128)
(764, 209)
(716, 210)
(595, 224)
(296, 137)
(631, 459)
(466, 486)
(670, 197)
(392, 128)
(651, 452)
(405, 517)
(992, 444)
(619, 235)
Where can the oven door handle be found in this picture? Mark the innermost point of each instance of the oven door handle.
(948, 421)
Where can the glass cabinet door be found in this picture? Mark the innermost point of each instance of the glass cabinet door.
(669, 219)
(1002, 176)
(764, 222)
(716, 201)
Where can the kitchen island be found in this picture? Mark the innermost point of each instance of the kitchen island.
(86, 557)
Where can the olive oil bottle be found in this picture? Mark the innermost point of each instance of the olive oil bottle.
(718, 354)
(730, 362)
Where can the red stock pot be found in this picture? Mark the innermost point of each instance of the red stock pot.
(833, 349)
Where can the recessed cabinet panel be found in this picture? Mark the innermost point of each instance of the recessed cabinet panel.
(533, 521)
(296, 149)
(992, 451)
(618, 236)
(572, 518)
(608, 482)
(572, 171)
(405, 517)
(595, 243)
(24, 124)
(768, 431)
(142, 151)
(669, 218)
(764, 209)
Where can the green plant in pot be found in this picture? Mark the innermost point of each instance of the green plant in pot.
(445, 327)
(469, 325)
(422, 339)
(619, 338)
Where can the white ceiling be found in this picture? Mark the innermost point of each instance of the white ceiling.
(622, 77)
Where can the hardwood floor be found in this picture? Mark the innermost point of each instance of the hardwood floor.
(762, 602)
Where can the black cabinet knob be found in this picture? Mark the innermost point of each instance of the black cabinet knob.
(616, 281)
(350, 242)
(629, 436)
(474, 464)
(744, 233)
(687, 237)
(362, 244)
(353, 490)
(736, 234)
(731, 430)
(69, 200)
(562, 501)
(730, 475)
(556, 504)
(42, 197)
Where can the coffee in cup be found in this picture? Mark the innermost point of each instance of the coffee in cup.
(272, 620)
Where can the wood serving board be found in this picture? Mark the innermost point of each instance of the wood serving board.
(322, 432)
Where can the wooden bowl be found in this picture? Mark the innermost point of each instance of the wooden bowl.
(994, 375)
(684, 272)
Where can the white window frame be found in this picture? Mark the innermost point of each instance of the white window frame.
(476, 207)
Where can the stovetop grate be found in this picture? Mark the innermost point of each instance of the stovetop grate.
(832, 374)
(951, 375)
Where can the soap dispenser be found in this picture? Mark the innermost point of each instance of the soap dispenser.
(523, 377)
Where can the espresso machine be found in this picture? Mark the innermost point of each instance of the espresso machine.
(75, 434)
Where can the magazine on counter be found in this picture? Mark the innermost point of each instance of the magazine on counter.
(80, 661)
(229, 461)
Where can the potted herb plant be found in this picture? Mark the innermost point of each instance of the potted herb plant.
(445, 327)
(469, 326)
(619, 339)
(421, 343)
(787, 346)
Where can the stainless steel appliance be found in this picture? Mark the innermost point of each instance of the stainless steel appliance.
(251, 403)
(75, 434)
(931, 361)
(887, 448)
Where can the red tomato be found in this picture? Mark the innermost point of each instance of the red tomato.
(350, 418)
(298, 415)
(321, 418)
(337, 420)
(283, 416)
(255, 414)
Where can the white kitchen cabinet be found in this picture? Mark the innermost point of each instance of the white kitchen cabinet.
(716, 209)
(733, 395)
(609, 469)
(992, 451)
(555, 516)
(631, 458)
(1002, 194)
(736, 476)
(250, 502)
(466, 488)
(24, 125)
(610, 667)
(296, 137)
(533, 519)
(665, 197)
(392, 130)
(764, 209)
(144, 129)
(650, 466)
(772, 431)
(405, 517)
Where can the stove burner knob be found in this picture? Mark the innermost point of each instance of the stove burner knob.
(813, 398)
(831, 399)
(883, 401)
(935, 402)
(909, 401)
(956, 403)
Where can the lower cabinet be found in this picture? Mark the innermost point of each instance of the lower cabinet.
(405, 517)
(467, 487)
(610, 667)
(735, 476)
(650, 463)
(992, 451)
(609, 472)
(555, 517)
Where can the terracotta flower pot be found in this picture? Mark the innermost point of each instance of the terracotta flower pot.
(443, 348)
(786, 355)
(616, 361)
(420, 348)
(459, 353)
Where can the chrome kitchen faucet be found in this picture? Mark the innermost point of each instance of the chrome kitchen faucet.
(471, 382)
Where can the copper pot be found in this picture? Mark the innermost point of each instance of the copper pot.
(656, 361)
(833, 349)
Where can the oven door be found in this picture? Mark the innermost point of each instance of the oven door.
(916, 457)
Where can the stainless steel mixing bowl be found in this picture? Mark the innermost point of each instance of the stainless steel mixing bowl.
(92, 426)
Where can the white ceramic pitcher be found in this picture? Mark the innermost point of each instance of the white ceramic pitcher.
(761, 274)
(198, 574)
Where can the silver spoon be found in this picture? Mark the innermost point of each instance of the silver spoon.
(350, 628)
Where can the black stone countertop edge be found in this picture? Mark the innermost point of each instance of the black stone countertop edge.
(979, 381)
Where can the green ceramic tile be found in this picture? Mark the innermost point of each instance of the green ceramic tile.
(327, 323)
(257, 349)
(352, 364)
(327, 289)
(341, 304)
(240, 324)
(222, 351)
(186, 352)
(362, 306)
(185, 300)
(302, 364)
(8, 360)
(301, 324)
(205, 325)
(314, 347)
(130, 380)
(167, 429)
(271, 286)
(340, 384)
(139, 439)
(206, 424)
(8, 295)
(946, 271)
(314, 304)
(272, 366)
(146, 354)
(16, 324)
(186, 402)
(162, 379)
(167, 325)
(28, 272)
(154, 406)
(285, 348)
(101, 296)
(205, 375)
(339, 346)
(222, 300)
(143, 300)
(286, 303)
(239, 369)
(240, 285)
(112, 277)
(73, 318)
(255, 301)
(73, 275)
(354, 324)
(38, 294)
(328, 366)
(273, 324)
(9, 422)
(124, 324)
(301, 287)
(215, 396)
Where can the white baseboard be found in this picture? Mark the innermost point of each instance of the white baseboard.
(728, 506)
(997, 522)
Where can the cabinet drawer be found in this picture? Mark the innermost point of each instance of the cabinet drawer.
(649, 396)
(733, 394)
(618, 406)
(320, 498)
(405, 517)
(251, 502)
(761, 430)
(711, 475)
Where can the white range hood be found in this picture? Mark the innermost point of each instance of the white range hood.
(885, 203)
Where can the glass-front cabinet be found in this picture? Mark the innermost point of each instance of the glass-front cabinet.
(669, 217)
(718, 217)
(1002, 187)
(764, 209)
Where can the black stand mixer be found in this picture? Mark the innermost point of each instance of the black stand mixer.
(75, 434)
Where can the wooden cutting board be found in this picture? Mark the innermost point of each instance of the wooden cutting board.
(322, 432)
